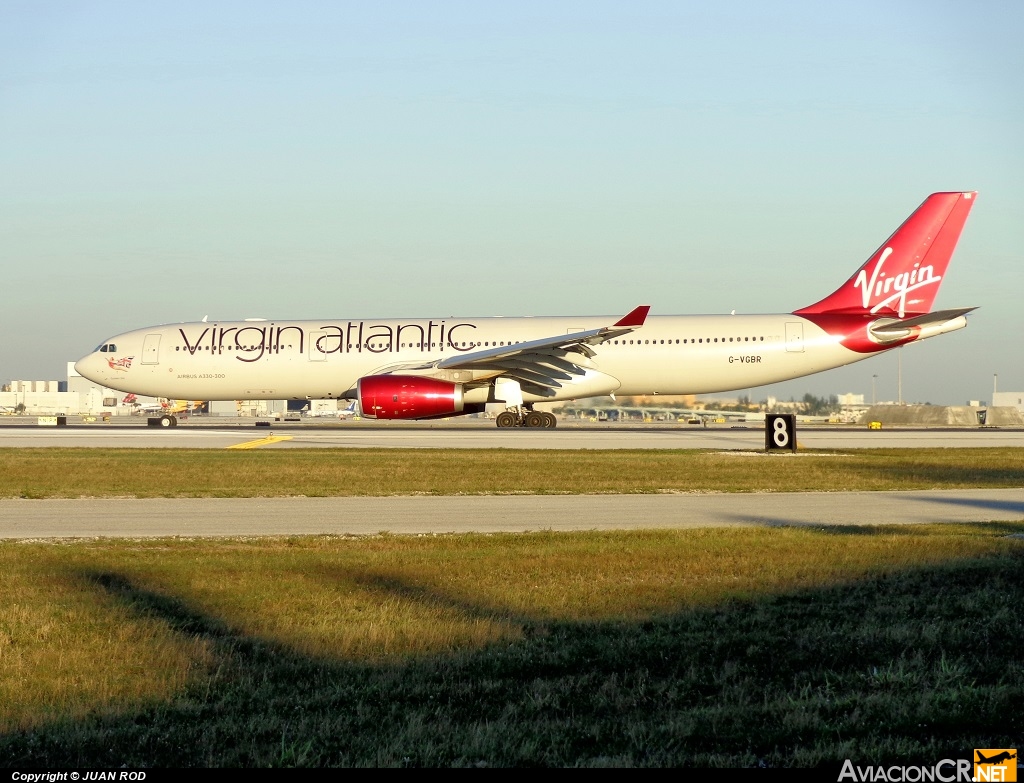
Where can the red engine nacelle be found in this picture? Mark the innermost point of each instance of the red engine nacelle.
(408, 397)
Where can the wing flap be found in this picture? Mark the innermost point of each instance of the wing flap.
(513, 365)
(558, 362)
(535, 378)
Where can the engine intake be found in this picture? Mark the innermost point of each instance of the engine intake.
(408, 397)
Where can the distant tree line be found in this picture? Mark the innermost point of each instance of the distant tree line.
(820, 406)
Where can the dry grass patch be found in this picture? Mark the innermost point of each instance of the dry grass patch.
(66, 652)
(95, 627)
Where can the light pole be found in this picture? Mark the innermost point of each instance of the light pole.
(873, 377)
(899, 374)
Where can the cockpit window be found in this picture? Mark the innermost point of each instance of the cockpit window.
(107, 348)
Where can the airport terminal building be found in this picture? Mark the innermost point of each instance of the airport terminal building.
(78, 396)
(1009, 399)
(75, 396)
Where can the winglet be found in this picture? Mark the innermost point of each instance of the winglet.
(635, 318)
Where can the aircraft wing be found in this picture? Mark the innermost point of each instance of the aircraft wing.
(540, 365)
(573, 341)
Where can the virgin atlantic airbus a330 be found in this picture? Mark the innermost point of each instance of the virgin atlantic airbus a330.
(414, 368)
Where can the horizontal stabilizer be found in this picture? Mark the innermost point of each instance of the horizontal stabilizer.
(928, 319)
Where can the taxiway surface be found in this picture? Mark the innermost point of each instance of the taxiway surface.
(209, 434)
(213, 517)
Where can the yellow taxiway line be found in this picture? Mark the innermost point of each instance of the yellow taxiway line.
(255, 444)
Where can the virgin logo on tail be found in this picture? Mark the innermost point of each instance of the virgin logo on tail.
(900, 285)
(917, 255)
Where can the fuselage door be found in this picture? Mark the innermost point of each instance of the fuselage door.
(794, 337)
(151, 349)
(318, 346)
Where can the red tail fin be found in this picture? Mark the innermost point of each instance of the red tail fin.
(904, 274)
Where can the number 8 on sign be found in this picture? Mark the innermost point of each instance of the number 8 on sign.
(780, 432)
(781, 435)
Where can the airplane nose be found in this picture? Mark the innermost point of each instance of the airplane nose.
(86, 367)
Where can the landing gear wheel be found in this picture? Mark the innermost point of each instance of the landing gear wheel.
(550, 422)
(506, 419)
(168, 421)
(535, 419)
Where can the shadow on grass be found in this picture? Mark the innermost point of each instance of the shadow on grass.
(894, 529)
(897, 667)
(388, 586)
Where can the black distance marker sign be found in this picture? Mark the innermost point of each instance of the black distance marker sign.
(780, 432)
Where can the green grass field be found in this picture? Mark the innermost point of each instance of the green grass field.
(702, 647)
(716, 647)
(43, 473)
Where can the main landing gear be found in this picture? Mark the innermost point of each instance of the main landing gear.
(524, 418)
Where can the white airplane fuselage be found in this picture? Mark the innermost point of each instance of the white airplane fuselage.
(322, 359)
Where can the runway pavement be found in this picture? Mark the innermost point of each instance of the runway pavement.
(427, 515)
(213, 517)
(210, 434)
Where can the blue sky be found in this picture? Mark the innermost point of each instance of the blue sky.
(160, 163)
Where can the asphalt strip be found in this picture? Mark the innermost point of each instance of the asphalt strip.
(217, 517)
